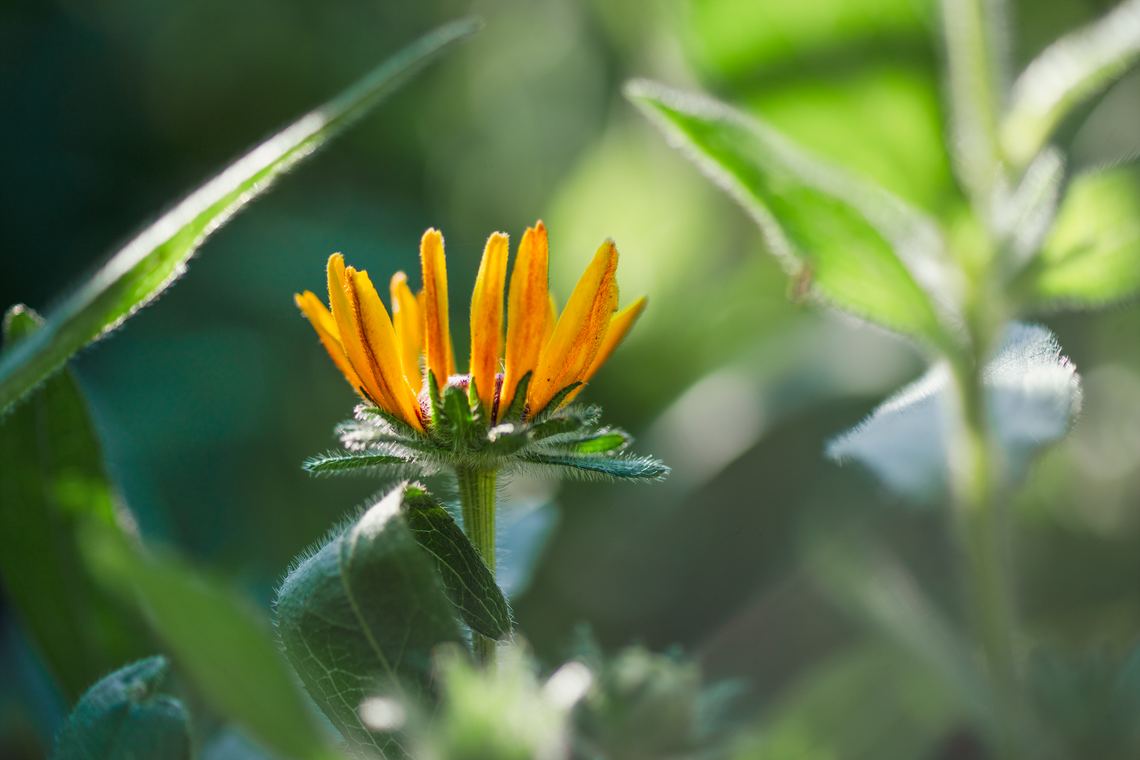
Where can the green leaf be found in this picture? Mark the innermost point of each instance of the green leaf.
(1071, 70)
(361, 615)
(1092, 255)
(848, 241)
(600, 442)
(157, 256)
(51, 476)
(326, 464)
(602, 467)
(124, 717)
(220, 644)
(557, 426)
(467, 581)
(457, 418)
(556, 402)
(517, 406)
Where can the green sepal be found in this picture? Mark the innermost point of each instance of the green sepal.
(627, 468)
(517, 406)
(457, 417)
(124, 717)
(549, 410)
(563, 425)
(361, 615)
(504, 440)
(327, 464)
(468, 582)
(398, 425)
(602, 441)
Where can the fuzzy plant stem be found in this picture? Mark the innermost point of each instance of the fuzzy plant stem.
(477, 495)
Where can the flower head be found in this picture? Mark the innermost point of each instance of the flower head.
(405, 366)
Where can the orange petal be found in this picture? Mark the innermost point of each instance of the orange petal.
(323, 322)
(527, 305)
(380, 346)
(437, 337)
(409, 325)
(580, 330)
(350, 338)
(487, 318)
(551, 321)
(620, 324)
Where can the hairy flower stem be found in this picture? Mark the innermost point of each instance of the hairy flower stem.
(477, 496)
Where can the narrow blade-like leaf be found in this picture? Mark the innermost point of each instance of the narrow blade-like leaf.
(602, 467)
(327, 464)
(157, 256)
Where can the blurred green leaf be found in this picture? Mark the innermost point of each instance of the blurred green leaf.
(467, 581)
(1069, 71)
(124, 717)
(51, 476)
(221, 646)
(847, 241)
(1034, 395)
(157, 256)
(1092, 256)
(359, 617)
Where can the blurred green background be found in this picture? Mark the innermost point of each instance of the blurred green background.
(209, 399)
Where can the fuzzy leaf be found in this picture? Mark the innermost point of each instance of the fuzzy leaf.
(517, 405)
(326, 464)
(1092, 256)
(504, 440)
(557, 426)
(852, 243)
(631, 468)
(361, 615)
(123, 717)
(600, 442)
(555, 403)
(157, 256)
(1069, 71)
(457, 417)
(467, 581)
(219, 643)
(1033, 396)
(52, 475)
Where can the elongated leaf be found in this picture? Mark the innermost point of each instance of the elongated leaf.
(219, 644)
(361, 615)
(51, 475)
(602, 467)
(1033, 395)
(600, 442)
(157, 256)
(124, 717)
(1092, 256)
(1072, 69)
(467, 581)
(850, 242)
(349, 461)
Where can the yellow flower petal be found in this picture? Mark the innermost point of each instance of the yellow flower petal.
(580, 330)
(551, 321)
(487, 318)
(620, 324)
(380, 345)
(527, 306)
(437, 337)
(325, 326)
(408, 322)
(350, 338)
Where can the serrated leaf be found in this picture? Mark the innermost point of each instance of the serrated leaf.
(52, 475)
(468, 582)
(850, 242)
(1066, 73)
(157, 256)
(124, 717)
(631, 468)
(361, 615)
(601, 442)
(1033, 396)
(327, 464)
(1092, 255)
(225, 649)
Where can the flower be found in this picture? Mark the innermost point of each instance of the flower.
(420, 415)
(381, 357)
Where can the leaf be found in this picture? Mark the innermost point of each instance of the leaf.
(517, 405)
(157, 256)
(1092, 256)
(1065, 74)
(601, 467)
(556, 426)
(468, 582)
(360, 616)
(599, 442)
(220, 645)
(852, 243)
(457, 417)
(1033, 396)
(326, 464)
(52, 475)
(124, 717)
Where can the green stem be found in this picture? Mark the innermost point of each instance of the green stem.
(477, 496)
